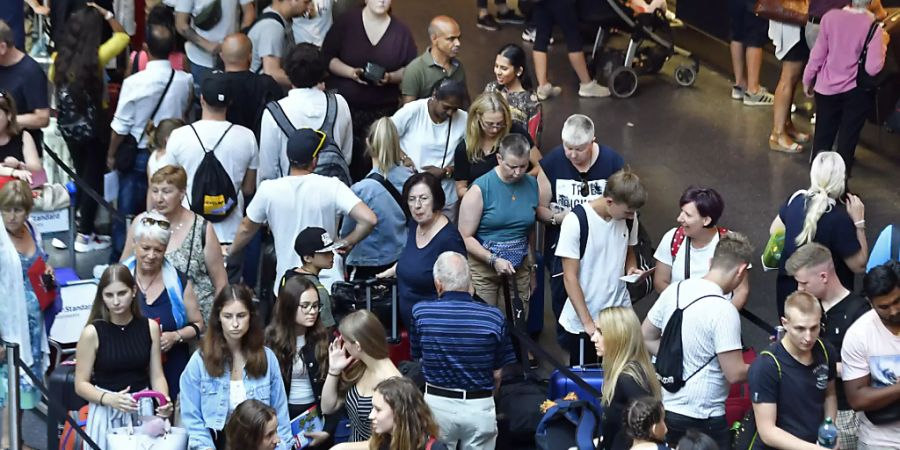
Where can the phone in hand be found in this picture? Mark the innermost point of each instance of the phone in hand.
(373, 73)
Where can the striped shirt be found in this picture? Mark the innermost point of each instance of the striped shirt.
(460, 341)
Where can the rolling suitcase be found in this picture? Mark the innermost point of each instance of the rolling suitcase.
(562, 384)
(398, 339)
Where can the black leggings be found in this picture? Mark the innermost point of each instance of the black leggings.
(483, 3)
(841, 116)
(90, 164)
(559, 12)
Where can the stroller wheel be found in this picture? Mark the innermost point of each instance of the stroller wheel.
(685, 75)
(623, 82)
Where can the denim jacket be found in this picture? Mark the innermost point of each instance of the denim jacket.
(204, 400)
(385, 243)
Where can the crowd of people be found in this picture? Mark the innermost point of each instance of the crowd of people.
(332, 141)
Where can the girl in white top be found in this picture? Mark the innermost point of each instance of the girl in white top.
(701, 209)
(158, 141)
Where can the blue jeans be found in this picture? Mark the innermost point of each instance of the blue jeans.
(132, 200)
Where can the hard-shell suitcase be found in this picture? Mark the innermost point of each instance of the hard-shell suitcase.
(398, 339)
(561, 385)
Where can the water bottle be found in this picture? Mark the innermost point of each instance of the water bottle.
(828, 434)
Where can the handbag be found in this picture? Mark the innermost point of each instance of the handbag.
(44, 286)
(126, 152)
(865, 81)
(125, 438)
(787, 11)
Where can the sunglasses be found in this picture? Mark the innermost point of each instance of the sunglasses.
(149, 221)
(585, 186)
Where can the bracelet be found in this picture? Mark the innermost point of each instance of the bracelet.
(196, 330)
(180, 337)
(101, 398)
(859, 222)
(493, 260)
(334, 374)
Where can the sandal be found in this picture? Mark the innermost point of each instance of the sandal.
(776, 143)
(797, 136)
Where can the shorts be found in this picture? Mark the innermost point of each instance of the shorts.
(746, 27)
(800, 51)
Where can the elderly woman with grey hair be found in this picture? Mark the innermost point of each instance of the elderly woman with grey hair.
(832, 72)
(164, 295)
(496, 217)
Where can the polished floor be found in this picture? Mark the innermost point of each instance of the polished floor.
(672, 137)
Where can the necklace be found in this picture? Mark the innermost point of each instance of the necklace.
(137, 280)
(506, 187)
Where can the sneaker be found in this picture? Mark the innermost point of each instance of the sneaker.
(761, 98)
(58, 244)
(89, 243)
(593, 89)
(487, 23)
(510, 17)
(547, 91)
(529, 34)
(737, 92)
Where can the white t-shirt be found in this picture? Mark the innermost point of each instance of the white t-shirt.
(709, 327)
(426, 143)
(314, 29)
(227, 24)
(290, 204)
(871, 349)
(602, 265)
(301, 389)
(701, 258)
(237, 153)
(237, 393)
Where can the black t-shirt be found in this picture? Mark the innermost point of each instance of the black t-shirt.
(464, 170)
(250, 94)
(799, 392)
(835, 323)
(627, 391)
(27, 83)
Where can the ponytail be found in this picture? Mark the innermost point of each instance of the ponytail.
(827, 178)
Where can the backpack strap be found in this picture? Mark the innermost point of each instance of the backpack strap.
(135, 62)
(777, 364)
(678, 238)
(678, 306)
(281, 119)
(581, 214)
(330, 115)
(824, 351)
(388, 187)
(585, 429)
(217, 142)
(156, 108)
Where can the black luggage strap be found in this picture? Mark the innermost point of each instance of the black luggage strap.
(389, 188)
(758, 321)
(83, 185)
(52, 401)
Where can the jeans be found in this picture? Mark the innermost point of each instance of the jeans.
(132, 200)
(841, 116)
(714, 427)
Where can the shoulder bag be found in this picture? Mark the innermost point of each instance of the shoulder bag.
(126, 153)
(787, 11)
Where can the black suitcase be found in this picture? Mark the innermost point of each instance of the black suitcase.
(61, 384)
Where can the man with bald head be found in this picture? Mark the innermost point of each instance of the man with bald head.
(247, 88)
(439, 61)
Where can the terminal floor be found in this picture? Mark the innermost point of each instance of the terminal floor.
(672, 137)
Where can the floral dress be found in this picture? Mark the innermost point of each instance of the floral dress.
(30, 395)
(524, 107)
(190, 259)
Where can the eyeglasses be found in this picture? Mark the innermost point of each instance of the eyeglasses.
(149, 221)
(493, 125)
(585, 186)
(417, 200)
(310, 306)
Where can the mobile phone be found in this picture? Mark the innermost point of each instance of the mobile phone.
(373, 73)
(48, 281)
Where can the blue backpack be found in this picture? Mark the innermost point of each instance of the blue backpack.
(569, 424)
(886, 248)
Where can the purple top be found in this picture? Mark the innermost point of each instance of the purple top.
(347, 41)
(818, 8)
(832, 61)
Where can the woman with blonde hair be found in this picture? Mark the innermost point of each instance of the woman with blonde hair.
(401, 420)
(628, 373)
(380, 189)
(823, 214)
(357, 362)
(489, 121)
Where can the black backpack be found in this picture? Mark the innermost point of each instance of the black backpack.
(670, 357)
(75, 125)
(212, 195)
(643, 253)
(331, 161)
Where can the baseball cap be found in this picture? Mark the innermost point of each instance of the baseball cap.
(313, 240)
(303, 145)
(215, 90)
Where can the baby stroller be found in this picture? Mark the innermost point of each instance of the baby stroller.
(650, 45)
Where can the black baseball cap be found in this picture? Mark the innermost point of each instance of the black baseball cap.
(313, 240)
(215, 90)
(303, 145)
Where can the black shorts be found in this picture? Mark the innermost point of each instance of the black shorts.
(800, 51)
(746, 27)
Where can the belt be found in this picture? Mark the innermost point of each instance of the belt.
(815, 20)
(450, 393)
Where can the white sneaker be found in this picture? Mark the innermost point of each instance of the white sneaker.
(58, 244)
(99, 269)
(547, 91)
(85, 243)
(593, 89)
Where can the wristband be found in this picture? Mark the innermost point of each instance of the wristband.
(101, 398)
(196, 330)
(859, 222)
(334, 374)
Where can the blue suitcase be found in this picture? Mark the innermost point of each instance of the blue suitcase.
(560, 385)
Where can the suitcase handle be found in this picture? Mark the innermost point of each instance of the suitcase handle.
(150, 394)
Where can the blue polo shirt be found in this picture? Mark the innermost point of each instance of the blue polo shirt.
(461, 341)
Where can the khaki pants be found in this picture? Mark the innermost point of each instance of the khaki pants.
(465, 424)
(489, 285)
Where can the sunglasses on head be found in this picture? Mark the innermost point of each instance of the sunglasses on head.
(149, 221)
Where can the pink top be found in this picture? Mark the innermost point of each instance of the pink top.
(832, 61)
(175, 58)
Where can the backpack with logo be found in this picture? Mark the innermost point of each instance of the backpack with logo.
(569, 425)
(643, 253)
(331, 161)
(77, 125)
(670, 358)
(212, 195)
